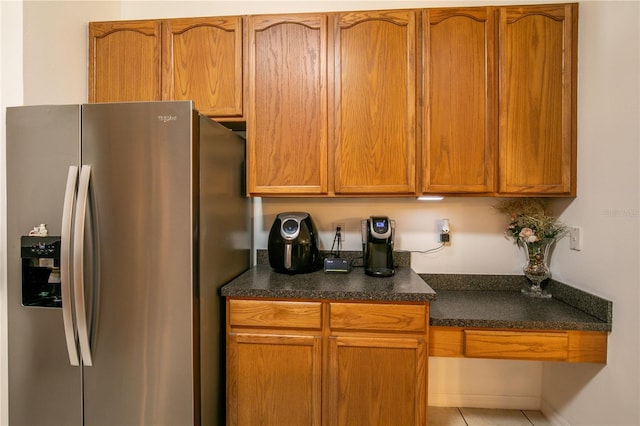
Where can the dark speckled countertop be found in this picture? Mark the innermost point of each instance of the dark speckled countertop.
(457, 300)
(262, 281)
(495, 301)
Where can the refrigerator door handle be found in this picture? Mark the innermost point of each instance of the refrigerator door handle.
(65, 266)
(78, 265)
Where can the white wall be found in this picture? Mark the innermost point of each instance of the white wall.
(56, 48)
(10, 93)
(608, 208)
(607, 204)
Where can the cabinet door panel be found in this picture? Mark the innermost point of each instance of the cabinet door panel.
(287, 127)
(202, 61)
(377, 381)
(537, 99)
(375, 85)
(124, 61)
(273, 379)
(460, 88)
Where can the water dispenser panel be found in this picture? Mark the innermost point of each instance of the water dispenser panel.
(40, 271)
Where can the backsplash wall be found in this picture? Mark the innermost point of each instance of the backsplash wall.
(478, 244)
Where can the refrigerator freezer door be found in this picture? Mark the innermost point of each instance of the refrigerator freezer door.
(143, 215)
(42, 142)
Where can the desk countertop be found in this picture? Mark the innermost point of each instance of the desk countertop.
(494, 301)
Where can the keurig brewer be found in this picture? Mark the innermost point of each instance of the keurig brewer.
(377, 246)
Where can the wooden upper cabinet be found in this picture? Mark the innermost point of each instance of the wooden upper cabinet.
(124, 61)
(460, 85)
(538, 63)
(468, 100)
(374, 143)
(287, 123)
(202, 61)
(197, 59)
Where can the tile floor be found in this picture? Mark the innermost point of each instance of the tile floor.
(452, 416)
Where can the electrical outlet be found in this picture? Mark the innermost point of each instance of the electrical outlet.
(444, 226)
(575, 238)
(343, 232)
(444, 237)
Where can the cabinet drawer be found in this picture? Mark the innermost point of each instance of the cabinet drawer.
(285, 314)
(381, 317)
(516, 345)
(561, 345)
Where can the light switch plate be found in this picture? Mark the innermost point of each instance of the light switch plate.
(575, 238)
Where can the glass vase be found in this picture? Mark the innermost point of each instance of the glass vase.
(537, 267)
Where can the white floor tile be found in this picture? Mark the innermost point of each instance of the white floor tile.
(452, 416)
(445, 416)
(537, 418)
(494, 417)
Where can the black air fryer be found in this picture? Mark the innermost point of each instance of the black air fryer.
(293, 244)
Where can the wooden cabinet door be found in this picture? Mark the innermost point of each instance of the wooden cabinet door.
(375, 102)
(377, 381)
(273, 379)
(460, 132)
(124, 61)
(287, 118)
(202, 61)
(537, 68)
(377, 364)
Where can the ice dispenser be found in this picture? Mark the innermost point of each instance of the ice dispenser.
(41, 271)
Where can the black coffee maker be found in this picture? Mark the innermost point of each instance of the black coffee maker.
(377, 246)
(293, 244)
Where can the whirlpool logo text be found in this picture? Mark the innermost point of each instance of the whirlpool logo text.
(167, 118)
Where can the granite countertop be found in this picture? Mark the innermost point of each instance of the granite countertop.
(456, 300)
(263, 282)
(494, 301)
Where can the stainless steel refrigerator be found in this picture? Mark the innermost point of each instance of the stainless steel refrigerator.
(115, 316)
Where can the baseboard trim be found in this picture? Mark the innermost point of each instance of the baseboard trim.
(552, 415)
(485, 401)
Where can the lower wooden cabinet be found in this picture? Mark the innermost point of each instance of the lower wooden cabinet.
(377, 364)
(274, 362)
(274, 379)
(377, 381)
(314, 363)
(332, 363)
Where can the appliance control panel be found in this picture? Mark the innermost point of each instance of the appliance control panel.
(290, 224)
(380, 227)
(46, 247)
